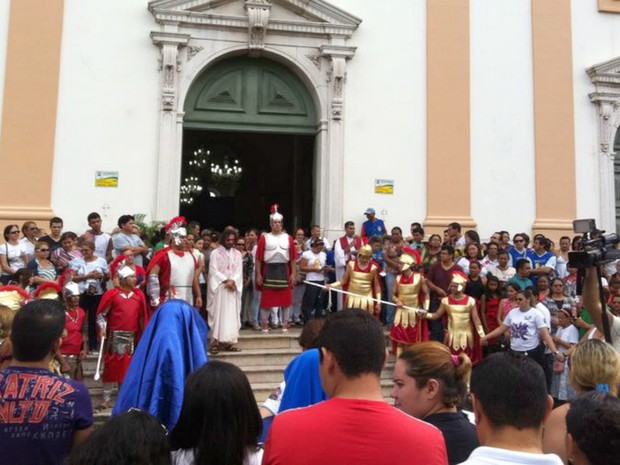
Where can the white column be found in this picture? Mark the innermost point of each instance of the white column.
(332, 163)
(170, 124)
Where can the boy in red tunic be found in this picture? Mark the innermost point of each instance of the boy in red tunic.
(72, 348)
(121, 318)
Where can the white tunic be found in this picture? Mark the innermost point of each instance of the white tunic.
(182, 276)
(223, 304)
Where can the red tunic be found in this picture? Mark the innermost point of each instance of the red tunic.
(72, 344)
(125, 312)
(492, 309)
(274, 297)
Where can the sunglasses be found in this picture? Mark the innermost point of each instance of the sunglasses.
(519, 240)
(14, 232)
(240, 244)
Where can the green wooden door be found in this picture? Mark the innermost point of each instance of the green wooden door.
(250, 94)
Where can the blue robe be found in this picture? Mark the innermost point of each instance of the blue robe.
(303, 382)
(172, 346)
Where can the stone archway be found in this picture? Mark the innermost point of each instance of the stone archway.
(309, 37)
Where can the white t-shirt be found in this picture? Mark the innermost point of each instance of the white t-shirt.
(186, 457)
(14, 256)
(83, 267)
(547, 316)
(524, 328)
(101, 244)
(27, 247)
(615, 333)
(315, 261)
(493, 456)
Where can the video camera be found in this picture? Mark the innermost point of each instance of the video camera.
(596, 248)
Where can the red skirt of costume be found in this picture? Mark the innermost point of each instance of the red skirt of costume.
(115, 367)
(474, 353)
(410, 334)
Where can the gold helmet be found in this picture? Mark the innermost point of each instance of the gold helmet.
(459, 279)
(13, 297)
(365, 251)
(409, 258)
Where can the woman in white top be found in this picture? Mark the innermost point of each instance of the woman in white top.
(12, 256)
(565, 338)
(219, 420)
(528, 330)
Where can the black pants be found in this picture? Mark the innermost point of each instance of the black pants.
(436, 326)
(90, 303)
(313, 299)
(537, 354)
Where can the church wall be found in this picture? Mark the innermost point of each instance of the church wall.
(107, 111)
(502, 116)
(596, 38)
(385, 113)
(5, 8)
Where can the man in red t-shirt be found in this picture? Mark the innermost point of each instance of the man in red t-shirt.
(356, 425)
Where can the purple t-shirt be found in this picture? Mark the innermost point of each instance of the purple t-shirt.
(39, 412)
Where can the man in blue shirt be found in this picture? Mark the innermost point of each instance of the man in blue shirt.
(373, 226)
(543, 261)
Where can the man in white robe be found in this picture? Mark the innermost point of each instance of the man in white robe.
(224, 294)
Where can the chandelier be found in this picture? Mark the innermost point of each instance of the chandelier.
(208, 168)
(227, 171)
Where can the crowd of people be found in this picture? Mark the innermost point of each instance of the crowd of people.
(491, 339)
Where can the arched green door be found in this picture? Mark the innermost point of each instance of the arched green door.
(259, 114)
(250, 94)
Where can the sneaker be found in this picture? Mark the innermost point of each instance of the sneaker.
(265, 331)
(256, 327)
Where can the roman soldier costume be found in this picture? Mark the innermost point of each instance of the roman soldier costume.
(409, 291)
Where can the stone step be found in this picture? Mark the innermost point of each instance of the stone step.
(263, 358)
(273, 340)
(259, 357)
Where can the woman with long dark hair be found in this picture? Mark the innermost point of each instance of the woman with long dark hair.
(219, 422)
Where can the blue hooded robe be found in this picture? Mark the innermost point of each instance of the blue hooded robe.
(172, 346)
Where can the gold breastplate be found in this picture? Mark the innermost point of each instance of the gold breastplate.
(361, 281)
(408, 293)
(460, 326)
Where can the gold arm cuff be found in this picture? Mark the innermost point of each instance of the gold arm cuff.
(480, 330)
(427, 303)
(378, 297)
(336, 285)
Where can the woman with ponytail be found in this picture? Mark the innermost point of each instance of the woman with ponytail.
(431, 384)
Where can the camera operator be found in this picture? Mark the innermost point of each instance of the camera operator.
(591, 301)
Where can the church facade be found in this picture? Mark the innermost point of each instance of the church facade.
(498, 114)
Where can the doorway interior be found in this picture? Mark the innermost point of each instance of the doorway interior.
(233, 177)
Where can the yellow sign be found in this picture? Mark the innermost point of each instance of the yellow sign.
(384, 186)
(106, 179)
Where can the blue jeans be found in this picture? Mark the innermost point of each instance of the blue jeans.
(390, 280)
